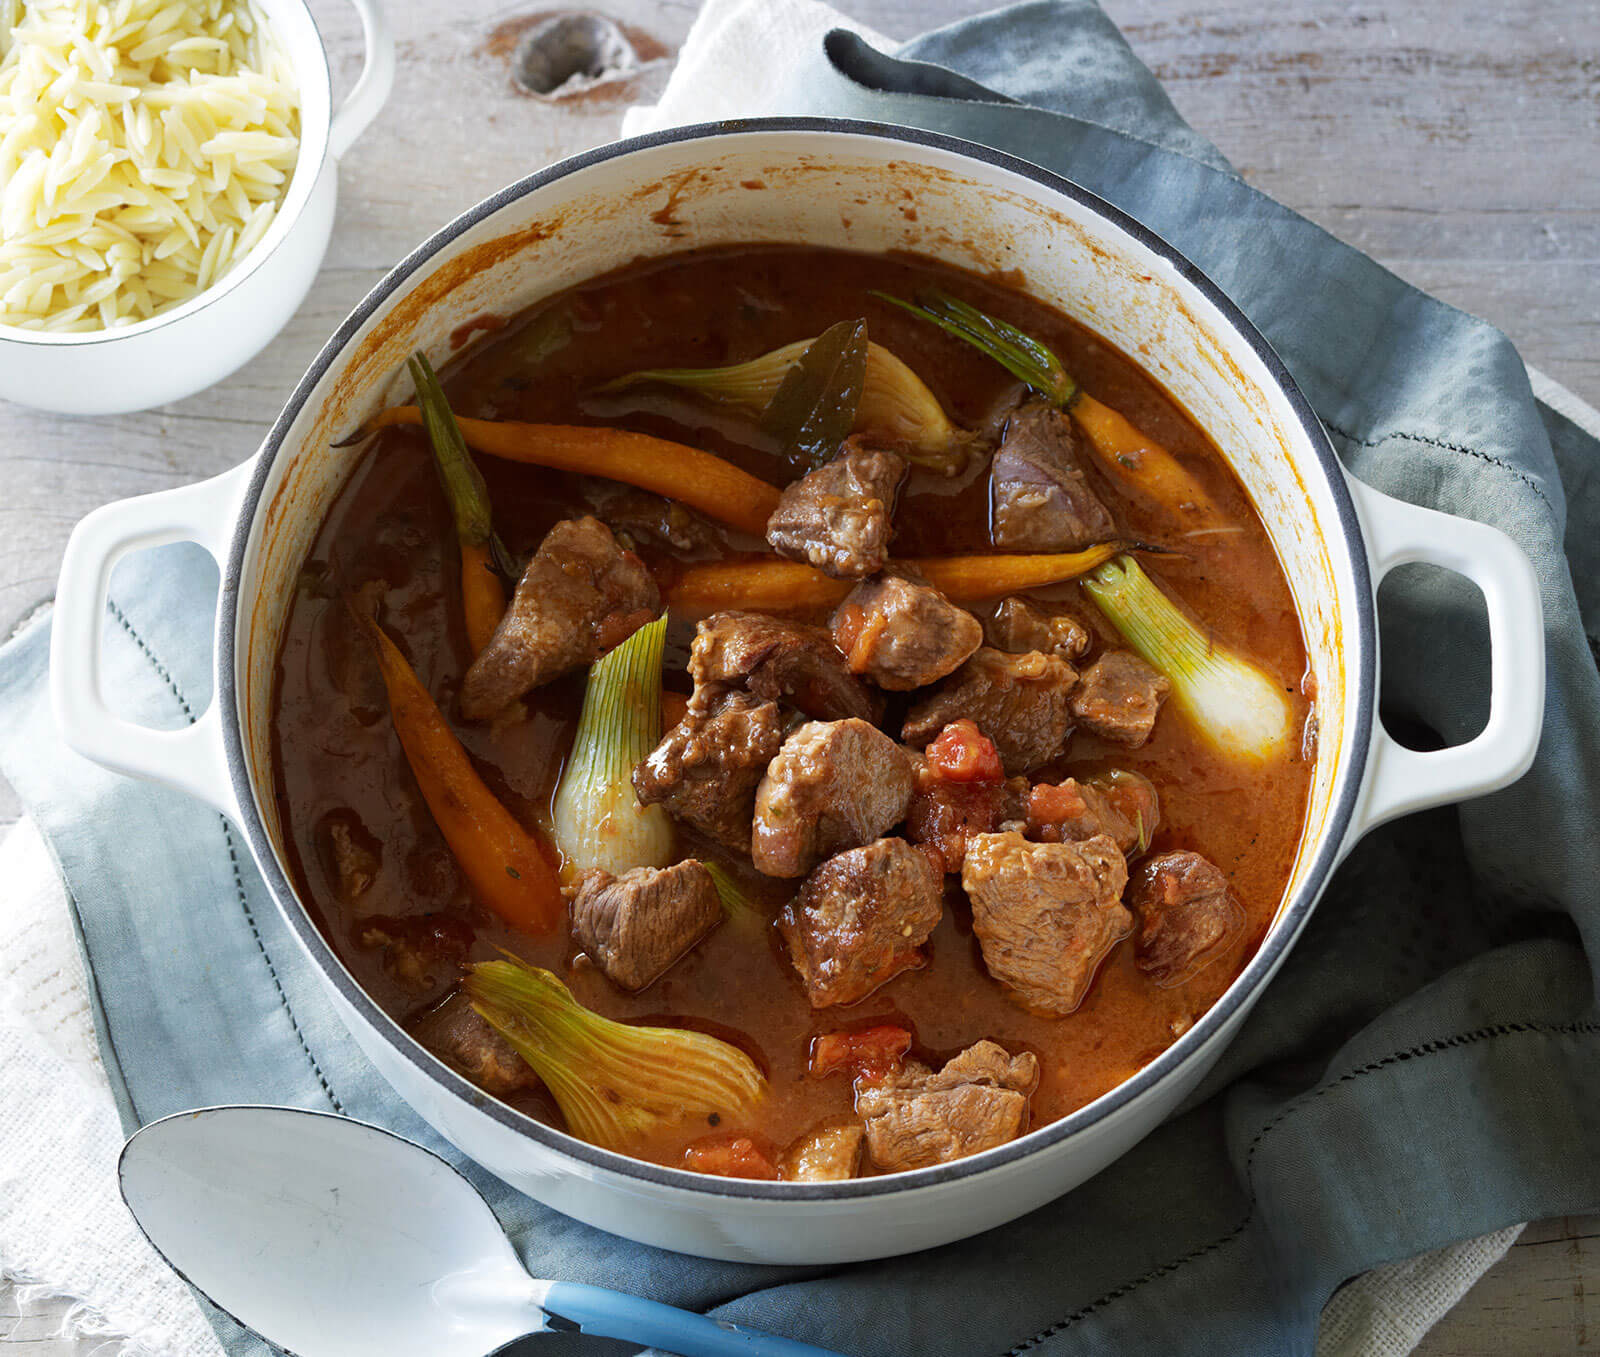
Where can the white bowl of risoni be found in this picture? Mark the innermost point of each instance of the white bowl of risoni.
(168, 173)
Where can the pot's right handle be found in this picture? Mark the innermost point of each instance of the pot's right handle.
(1402, 780)
(191, 758)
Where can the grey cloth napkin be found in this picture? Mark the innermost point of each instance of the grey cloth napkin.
(1424, 1068)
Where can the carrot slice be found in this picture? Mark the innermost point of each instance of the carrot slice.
(500, 858)
(483, 597)
(705, 482)
(767, 584)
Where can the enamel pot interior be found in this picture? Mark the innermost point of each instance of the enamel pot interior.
(853, 186)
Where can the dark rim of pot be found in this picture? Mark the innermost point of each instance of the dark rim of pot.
(1360, 656)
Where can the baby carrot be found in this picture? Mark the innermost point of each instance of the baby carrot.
(699, 479)
(501, 859)
(1141, 463)
(1133, 458)
(483, 596)
(767, 584)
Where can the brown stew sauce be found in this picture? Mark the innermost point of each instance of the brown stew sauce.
(337, 756)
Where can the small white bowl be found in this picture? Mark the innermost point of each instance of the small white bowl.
(186, 349)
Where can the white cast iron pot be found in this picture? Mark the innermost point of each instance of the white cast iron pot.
(186, 349)
(833, 183)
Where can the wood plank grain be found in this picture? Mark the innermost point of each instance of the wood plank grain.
(1536, 1302)
(1453, 142)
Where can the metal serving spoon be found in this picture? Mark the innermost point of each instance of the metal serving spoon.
(332, 1238)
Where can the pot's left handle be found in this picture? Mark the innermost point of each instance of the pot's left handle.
(192, 758)
(1402, 780)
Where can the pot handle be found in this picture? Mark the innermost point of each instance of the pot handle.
(1401, 780)
(371, 91)
(192, 758)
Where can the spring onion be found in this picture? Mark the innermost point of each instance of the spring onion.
(1235, 706)
(597, 820)
(617, 1085)
(895, 402)
(1128, 455)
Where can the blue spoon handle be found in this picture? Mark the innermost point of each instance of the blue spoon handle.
(611, 1314)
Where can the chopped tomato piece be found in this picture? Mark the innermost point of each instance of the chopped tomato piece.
(729, 1156)
(1055, 804)
(873, 1050)
(943, 816)
(856, 633)
(963, 753)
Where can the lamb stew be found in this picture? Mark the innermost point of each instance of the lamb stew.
(793, 714)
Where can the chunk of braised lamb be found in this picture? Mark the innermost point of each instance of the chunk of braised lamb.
(833, 785)
(838, 518)
(645, 517)
(915, 1117)
(706, 769)
(1119, 697)
(957, 790)
(580, 595)
(1019, 624)
(860, 919)
(1122, 805)
(1019, 701)
(351, 854)
(1187, 915)
(1040, 499)
(901, 632)
(422, 951)
(454, 1031)
(1046, 914)
(827, 1154)
(780, 661)
(634, 926)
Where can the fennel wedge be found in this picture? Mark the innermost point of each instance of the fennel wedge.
(895, 403)
(1236, 706)
(597, 819)
(616, 1084)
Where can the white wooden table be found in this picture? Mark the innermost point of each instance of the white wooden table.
(1456, 140)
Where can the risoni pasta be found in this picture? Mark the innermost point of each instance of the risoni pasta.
(144, 148)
